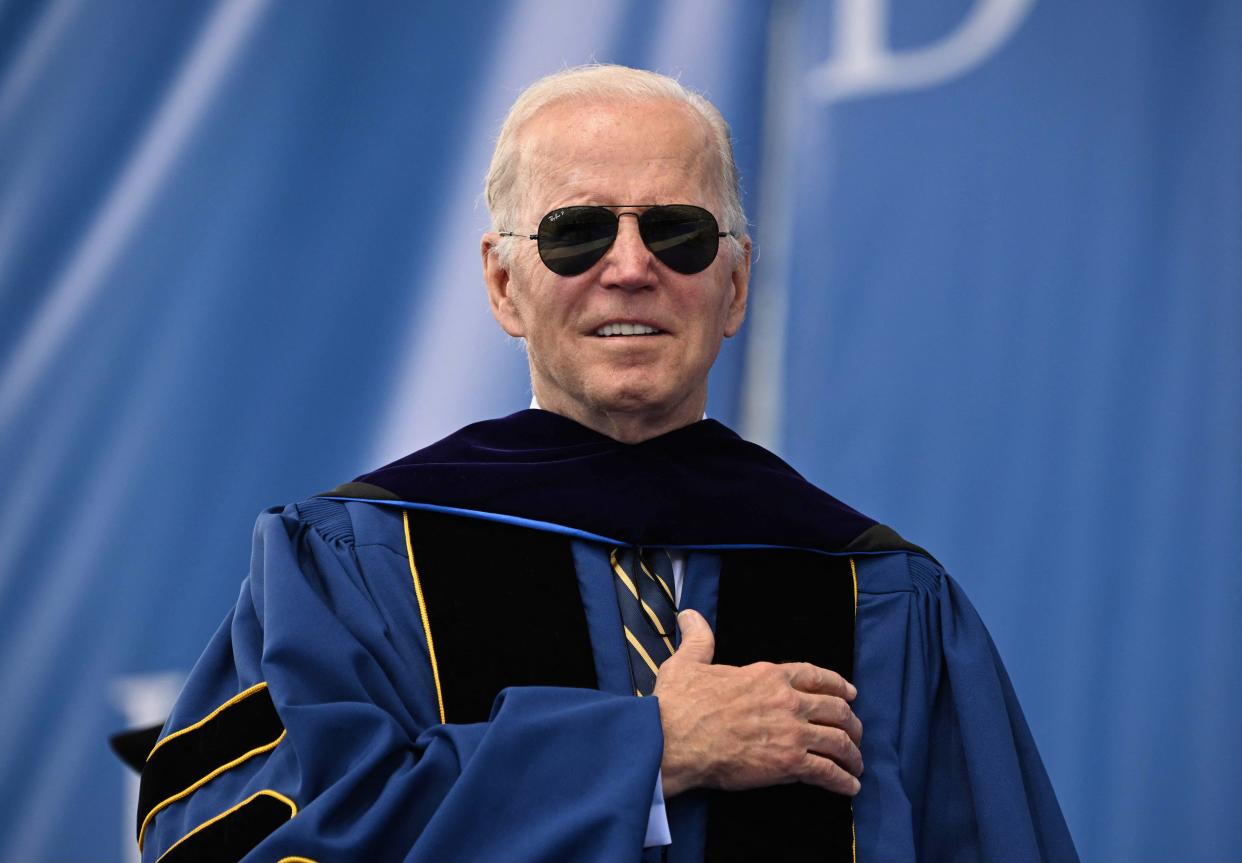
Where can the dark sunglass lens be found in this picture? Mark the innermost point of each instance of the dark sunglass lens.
(685, 238)
(573, 239)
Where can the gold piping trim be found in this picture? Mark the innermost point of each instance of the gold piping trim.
(293, 810)
(422, 610)
(853, 831)
(629, 636)
(241, 696)
(854, 575)
(259, 750)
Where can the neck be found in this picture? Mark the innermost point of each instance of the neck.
(626, 426)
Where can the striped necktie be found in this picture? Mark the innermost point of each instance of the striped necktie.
(644, 584)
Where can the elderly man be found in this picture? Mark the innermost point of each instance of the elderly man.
(476, 654)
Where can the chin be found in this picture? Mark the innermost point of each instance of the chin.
(624, 403)
(635, 400)
(621, 391)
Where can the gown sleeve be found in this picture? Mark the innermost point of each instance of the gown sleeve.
(951, 770)
(327, 625)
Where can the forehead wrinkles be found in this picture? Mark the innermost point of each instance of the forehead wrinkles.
(554, 164)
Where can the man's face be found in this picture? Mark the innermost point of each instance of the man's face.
(628, 386)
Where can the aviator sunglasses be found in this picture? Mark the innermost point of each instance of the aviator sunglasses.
(573, 239)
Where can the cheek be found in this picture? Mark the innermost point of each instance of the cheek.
(713, 315)
(524, 296)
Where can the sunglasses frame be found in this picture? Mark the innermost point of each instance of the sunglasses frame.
(626, 210)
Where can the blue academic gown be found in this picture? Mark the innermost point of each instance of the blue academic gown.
(329, 621)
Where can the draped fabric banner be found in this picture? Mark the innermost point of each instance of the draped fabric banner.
(998, 305)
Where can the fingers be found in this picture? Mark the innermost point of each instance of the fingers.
(812, 678)
(832, 711)
(837, 746)
(826, 773)
(698, 644)
(755, 726)
(833, 759)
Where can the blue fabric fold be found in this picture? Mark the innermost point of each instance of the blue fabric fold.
(951, 770)
(328, 618)
(331, 626)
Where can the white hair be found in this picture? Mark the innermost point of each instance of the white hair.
(595, 82)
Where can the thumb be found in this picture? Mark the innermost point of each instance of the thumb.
(698, 644)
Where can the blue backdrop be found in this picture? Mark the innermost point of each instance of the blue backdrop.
(998, 305)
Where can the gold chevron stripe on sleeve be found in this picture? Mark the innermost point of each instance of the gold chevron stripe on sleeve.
(267, 792)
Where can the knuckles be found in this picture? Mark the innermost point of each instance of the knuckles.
(788, 701)
(760, 670)
(822, 772)
(762, 724)
(839, 741)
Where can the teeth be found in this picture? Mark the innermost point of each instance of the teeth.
(626, 330)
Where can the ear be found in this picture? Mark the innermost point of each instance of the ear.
(740, 280)
(499, 287)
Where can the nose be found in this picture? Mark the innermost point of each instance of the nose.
(628, 262)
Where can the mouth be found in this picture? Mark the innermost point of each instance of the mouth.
(627, 329)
